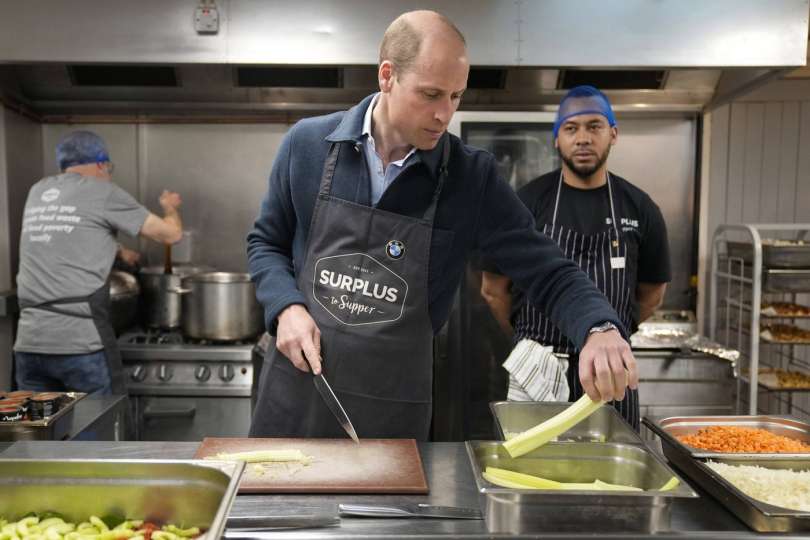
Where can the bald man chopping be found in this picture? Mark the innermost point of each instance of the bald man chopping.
(361, 242)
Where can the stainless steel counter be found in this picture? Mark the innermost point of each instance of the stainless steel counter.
(450, 481)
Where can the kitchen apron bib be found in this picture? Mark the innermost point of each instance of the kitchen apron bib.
(603, 258)
(365, 280)
(99, 302)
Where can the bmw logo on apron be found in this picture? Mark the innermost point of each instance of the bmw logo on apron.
(395, 249)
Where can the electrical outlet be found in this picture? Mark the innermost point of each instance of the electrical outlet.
(206, 20)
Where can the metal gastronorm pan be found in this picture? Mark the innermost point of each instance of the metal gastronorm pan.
(531, 511)
(604, 425)
(791, 256)
(185, 493)
(758, 515)
(55, 427)
(668, 429)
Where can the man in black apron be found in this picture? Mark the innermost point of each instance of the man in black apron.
(611, 229)
(65, 340)
(362, 240)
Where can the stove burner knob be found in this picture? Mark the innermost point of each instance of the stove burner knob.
(202, 373)
(226, 372)
(138, 374)
(164, 373)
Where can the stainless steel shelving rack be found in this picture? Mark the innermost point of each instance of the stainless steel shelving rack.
(740, 278)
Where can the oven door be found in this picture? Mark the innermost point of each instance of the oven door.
(190, 418)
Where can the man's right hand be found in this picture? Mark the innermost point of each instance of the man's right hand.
(169, 201)
(299, 339)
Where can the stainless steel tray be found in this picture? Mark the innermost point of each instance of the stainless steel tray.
(604, 425)
(670, 428)
(786, 280)
(523, 511)
(758, 515)
(185, 493)
(55, 427)
(797, 256)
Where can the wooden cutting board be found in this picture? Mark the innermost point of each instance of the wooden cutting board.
(338, 465)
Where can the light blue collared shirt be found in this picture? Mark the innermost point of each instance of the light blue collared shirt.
(380, 177)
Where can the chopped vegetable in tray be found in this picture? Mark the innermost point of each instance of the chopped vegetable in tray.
(56, 528)
(743, 440)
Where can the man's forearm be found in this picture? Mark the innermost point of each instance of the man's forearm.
(501, 309)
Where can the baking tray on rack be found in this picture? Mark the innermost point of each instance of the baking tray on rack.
(668, 429)
(55, 427)
(768, 383)
(782, 280)
(517, 511)
(758, 515)
(773, 256)
(769, 311)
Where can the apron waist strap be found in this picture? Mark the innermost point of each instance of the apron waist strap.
(50, 305)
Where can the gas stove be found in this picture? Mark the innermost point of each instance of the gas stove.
(168, 363)
(183, 389)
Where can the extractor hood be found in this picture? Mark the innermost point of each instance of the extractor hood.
(270, 60)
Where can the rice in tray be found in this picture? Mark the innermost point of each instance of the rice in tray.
(779, 487)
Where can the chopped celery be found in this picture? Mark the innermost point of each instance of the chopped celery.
(257, 456)
(545, 431)
(671, 484)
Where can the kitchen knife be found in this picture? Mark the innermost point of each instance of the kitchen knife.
(334, 405)
(408, 511)
(241, 527)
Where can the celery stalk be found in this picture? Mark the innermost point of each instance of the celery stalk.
(545, 431)
(516, 480)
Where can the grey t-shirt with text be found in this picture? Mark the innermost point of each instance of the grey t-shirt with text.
(67, 248)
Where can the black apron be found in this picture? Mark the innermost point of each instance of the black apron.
(99, 302)
(365, 279)
(603, 258)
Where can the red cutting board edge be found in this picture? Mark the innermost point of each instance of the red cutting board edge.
(339, 466)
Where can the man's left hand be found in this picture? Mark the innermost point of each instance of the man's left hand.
(607, 366)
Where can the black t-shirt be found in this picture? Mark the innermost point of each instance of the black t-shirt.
(587, 211)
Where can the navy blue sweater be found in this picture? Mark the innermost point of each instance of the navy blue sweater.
(477, 211)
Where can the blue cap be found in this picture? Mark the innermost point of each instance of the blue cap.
(80, 148)
(583, 100)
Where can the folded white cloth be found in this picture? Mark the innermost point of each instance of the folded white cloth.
(535, 373)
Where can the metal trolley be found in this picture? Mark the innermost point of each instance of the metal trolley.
(751, 262)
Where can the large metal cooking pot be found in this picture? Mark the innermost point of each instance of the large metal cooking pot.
(220, 306)
(161, 294)
(124, 291)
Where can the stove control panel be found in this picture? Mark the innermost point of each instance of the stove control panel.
(226, 372)
(165, 373)
(138, 373)
(202, 373)
(189, 377)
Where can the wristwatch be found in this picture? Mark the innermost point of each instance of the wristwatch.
(604, 327)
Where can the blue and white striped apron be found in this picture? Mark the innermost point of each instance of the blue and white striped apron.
(602, 256)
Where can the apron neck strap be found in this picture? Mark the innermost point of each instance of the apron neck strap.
(329, 169)
(430, 213)
(610, 198)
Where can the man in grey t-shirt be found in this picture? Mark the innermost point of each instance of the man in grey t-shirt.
(67, 248)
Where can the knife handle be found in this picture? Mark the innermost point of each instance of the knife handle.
(375, 510)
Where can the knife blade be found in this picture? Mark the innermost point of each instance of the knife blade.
(334, 405)
(243, 526)
(408, 511)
